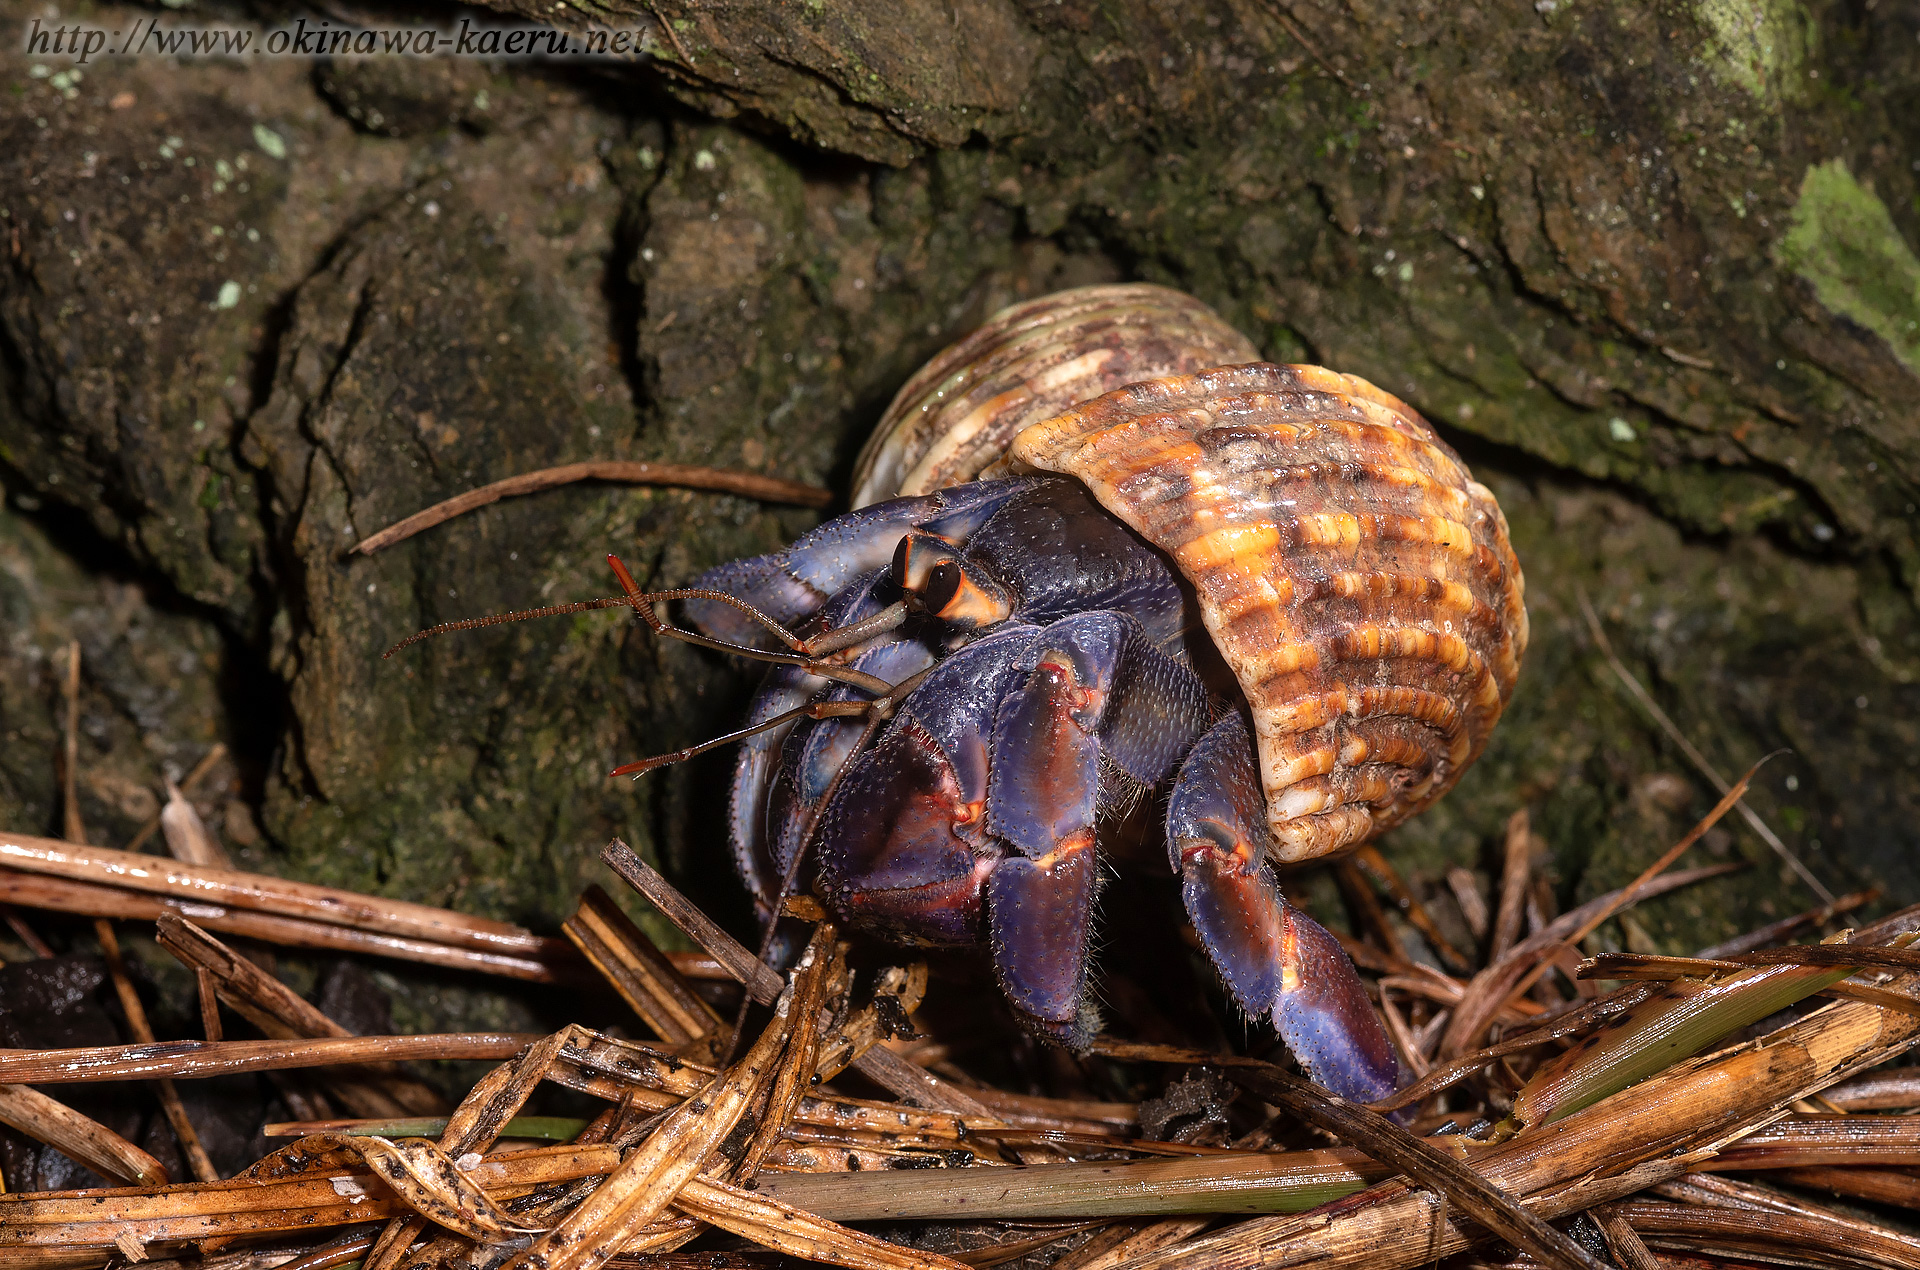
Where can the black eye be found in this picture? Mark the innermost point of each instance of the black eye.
(942, 585)
(897, 571)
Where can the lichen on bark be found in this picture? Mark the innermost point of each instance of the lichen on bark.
(1844, 244)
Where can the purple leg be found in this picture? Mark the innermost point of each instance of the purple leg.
(1276, 960)
(1040, 912)
(1047, 790)
(1043, 801)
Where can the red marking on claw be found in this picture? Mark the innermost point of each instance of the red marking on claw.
(1287, 954)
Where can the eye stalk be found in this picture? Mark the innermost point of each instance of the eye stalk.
(939, 582)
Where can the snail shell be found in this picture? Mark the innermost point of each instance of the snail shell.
(1029, 362)
(1351, 572)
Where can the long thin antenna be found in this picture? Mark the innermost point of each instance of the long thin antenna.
(642, 602)
(812, 710)
(501, 619)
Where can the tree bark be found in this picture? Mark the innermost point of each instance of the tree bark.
(1651, 268)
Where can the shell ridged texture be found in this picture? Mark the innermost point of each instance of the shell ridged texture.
(1029, 362)
(1354, 576)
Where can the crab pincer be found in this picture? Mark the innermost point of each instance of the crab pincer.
(1276, 960)
(905, 849)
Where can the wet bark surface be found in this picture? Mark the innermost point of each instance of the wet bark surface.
(1650, 269)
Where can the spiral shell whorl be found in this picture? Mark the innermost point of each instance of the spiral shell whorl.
(1354, 576)
(1027, 363)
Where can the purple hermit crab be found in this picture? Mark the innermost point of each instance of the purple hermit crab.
(1270, 593)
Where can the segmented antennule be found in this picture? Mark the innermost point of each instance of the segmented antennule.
(642, 602)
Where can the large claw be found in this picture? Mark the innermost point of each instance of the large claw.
(1276, 960)
(903, 840)
(782, 773)
(817, 749)
(897, 856)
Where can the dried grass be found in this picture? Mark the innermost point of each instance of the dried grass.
(1552, 1095)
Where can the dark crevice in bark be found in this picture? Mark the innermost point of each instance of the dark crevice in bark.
(256, 707)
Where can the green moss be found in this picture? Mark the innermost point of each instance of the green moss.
(1844, 243)
(1759, 45)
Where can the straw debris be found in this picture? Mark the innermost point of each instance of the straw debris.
(1556, 1080)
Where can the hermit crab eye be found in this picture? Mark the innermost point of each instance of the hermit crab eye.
(915, 559)
(964, 596)
(943, 584)
(925, 567)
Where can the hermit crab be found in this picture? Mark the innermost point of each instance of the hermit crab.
(1269, 598)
